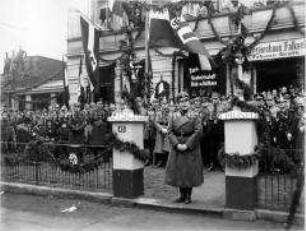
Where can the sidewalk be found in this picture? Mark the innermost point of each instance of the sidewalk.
(211, 194)
(208, 199)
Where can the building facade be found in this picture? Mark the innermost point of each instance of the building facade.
(33, 83)
(277, 59)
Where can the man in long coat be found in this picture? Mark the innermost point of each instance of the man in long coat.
(184, 168)
(162, 147)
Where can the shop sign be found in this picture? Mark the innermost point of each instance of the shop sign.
(279, 49)
(198, 79)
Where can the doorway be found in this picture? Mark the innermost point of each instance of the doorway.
(278, 73)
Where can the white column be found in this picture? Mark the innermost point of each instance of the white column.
(117, 82)
(53, 99)
(127, 169)
(13, 102)
(241, 140)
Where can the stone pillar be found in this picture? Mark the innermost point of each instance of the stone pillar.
(13, 103)
(128, 179)
(117, 83)
(28, 103)
(241, 139)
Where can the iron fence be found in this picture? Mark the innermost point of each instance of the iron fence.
(84, 167)
(277, 179)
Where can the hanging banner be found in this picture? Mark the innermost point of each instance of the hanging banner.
(279, 49)
(199, 79)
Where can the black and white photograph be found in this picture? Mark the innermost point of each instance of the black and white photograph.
(152, 115)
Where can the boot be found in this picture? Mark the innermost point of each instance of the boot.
(188, 196)
(182, 196)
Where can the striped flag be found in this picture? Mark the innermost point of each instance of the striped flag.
(191, 42)
(176, 32)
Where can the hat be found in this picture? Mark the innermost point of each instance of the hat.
(299, 102)
(154, 100)
(182, 95)
(4, 113)
(77, 104)
(64, 108)
(286, 96)
(138, 99)
(215, 95)
(99, 103)
(259, 96)
(100, 113)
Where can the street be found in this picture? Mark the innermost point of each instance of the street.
(29, 212)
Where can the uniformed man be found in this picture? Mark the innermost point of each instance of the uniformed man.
(152, 112)
(63, 133)
(184, 168)
(204, 116)
(76, 131)
(98, 137)
(162, 146)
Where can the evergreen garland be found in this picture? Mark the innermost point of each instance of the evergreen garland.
(215, 31)
(40, 152)
(131, 147)
(83, 167)
(235, 160)
(295, 21)
(244, 105)
(263, 34)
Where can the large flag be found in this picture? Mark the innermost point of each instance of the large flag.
(176, 32)
(90, 37)
(161, 32)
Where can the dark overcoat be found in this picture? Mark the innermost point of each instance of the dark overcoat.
(99, 134)
(184, 169)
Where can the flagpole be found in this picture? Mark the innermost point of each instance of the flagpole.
(147, 52)
(65, 80)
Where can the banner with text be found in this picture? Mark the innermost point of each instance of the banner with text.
(279, 49)
(200, 79)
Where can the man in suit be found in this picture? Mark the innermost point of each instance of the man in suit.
(184, 168)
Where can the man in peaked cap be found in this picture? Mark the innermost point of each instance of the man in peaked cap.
(184, 168)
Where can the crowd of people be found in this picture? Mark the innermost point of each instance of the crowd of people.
(280, 124)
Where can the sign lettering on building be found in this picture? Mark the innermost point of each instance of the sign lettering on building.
(279, 49)
(198, 79)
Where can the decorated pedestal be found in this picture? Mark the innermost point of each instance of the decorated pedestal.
(128, 169)
(241, 164)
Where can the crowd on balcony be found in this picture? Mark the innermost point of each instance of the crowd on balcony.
(281, 124)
